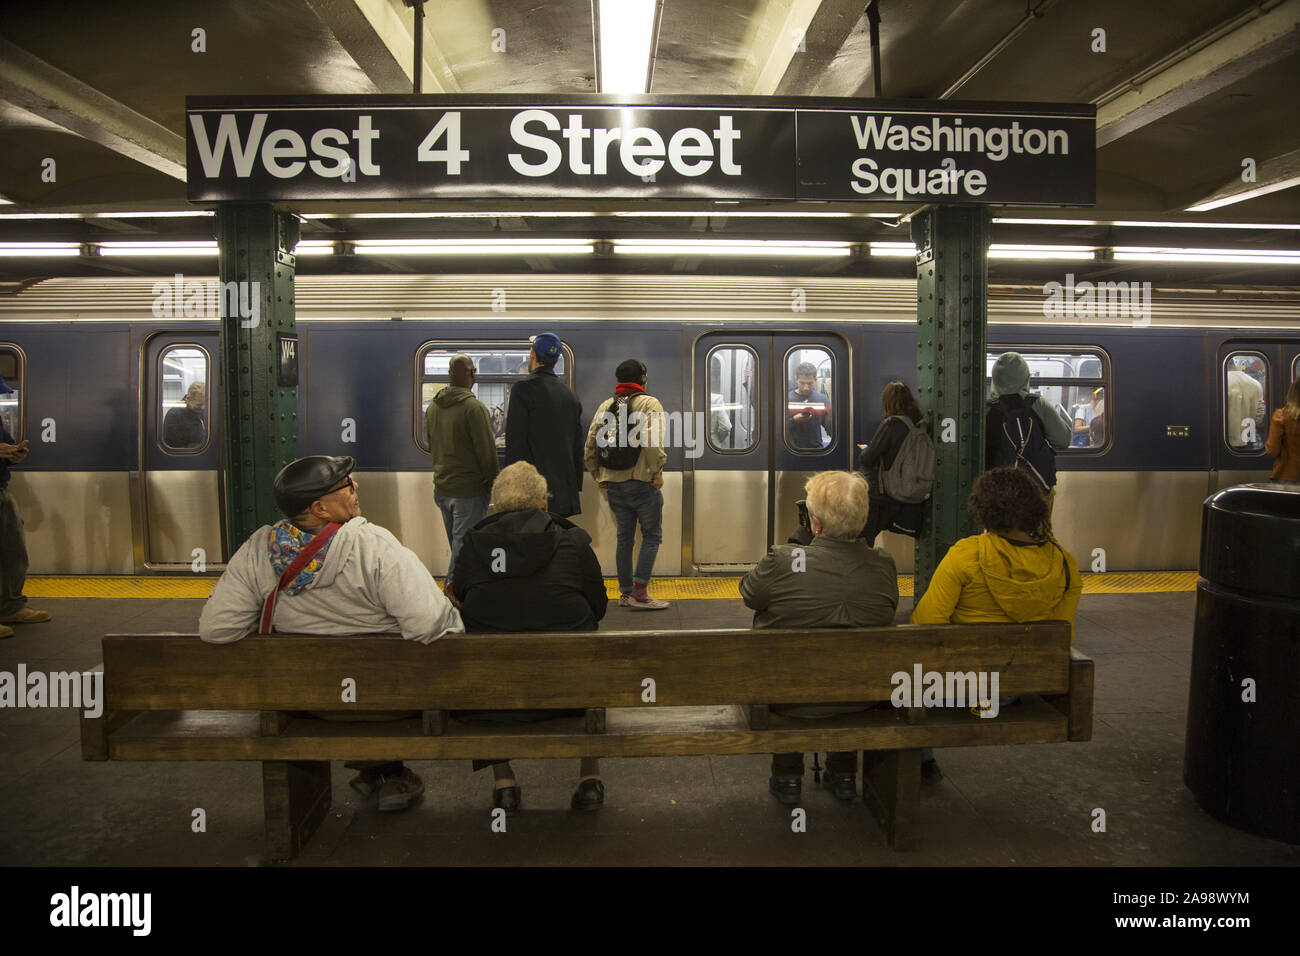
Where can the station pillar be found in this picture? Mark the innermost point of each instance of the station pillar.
(259, 350)
(951, 318)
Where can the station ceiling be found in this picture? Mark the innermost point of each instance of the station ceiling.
(1186, 90)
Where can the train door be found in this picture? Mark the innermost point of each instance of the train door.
(1252, 378)
(180, 450)
(775, 410)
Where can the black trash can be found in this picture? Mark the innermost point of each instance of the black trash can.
(1242, 759)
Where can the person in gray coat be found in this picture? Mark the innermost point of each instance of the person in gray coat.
(544, 427)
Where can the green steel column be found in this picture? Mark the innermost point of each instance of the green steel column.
(259, 415)
(951, 318)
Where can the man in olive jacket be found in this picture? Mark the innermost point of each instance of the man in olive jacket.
(464, 453)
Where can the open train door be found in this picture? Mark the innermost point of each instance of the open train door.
(776, 410)
(180, 456)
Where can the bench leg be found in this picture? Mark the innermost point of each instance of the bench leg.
(296, 797)
(891, 790)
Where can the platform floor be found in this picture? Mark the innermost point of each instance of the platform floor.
(996, 806)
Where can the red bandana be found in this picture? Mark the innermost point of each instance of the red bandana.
(629, 388)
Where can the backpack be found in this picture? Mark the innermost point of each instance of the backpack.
(1024, 446)
(910, 478)
(613, 456)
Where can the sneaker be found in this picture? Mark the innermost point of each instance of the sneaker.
(842, 786)
(590, 795)
(930, 772)
(5, 632)
(508, 799)
(786, 791)
(365, 783)
(643, 603)
(26, 616)
(397, 793)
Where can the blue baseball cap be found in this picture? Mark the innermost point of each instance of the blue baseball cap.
(4, 386)
(547, 347)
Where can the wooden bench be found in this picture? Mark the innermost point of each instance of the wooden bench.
(172, 697)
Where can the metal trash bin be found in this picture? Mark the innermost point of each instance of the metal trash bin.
(1242, 757)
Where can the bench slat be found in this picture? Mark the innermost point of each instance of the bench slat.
(596, 669)
(675, 731)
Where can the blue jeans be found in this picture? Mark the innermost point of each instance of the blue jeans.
(458, 516)
(635, 501)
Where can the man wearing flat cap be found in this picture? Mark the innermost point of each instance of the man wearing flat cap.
(544, 426)
(324, 569)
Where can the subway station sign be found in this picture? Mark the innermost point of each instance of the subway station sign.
(483, 147)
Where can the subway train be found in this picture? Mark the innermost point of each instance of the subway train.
(124, 472)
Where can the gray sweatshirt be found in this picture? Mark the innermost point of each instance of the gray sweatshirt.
(369, 584)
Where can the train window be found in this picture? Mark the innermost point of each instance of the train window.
(498, 364)
(1245, 396)
(1075, 383)
(11, 370)
(1295, 368)
(183, 396)
(733, 398)
(809, 423)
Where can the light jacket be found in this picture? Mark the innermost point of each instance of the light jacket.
(368, 584)
(650, 464)
(464, 452)
(1284, 444)
(988, 578)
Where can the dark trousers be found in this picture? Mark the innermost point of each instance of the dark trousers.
(506, 718)
(13, 556)
(880, 516)
(791, 765)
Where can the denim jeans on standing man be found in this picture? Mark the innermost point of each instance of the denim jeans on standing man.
(636, 502)
(458, 516)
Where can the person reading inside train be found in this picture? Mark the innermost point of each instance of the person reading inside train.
(1014, 572)
(323, 569)
(808, 418)
(523, 569)
(184, 427)
(836, 580)
(1284, 439)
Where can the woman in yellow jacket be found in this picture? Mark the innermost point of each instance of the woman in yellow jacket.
(1013, 572)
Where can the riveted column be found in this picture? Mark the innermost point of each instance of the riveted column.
(258, 361)
(951, 319)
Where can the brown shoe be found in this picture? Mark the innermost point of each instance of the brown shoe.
(5, 632)
(26, 616)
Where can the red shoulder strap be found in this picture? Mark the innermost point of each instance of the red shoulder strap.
(293, 570)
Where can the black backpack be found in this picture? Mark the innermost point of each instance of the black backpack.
(1023, 445)
(614, 456)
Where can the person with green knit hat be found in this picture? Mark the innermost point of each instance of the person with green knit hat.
(1023, 430)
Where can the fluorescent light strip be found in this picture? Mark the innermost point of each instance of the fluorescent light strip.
(625, 38)
(196, 248)
(40, 215)
(314, 247)
(11, 249)
(1159, 254)
(892, 249)
(1046, 222)
(549, 214)
(1255, 193)
(1001, 250)
(723, 214)
(176, 214)
(1147, 224)
(469, 247)
(722, 247)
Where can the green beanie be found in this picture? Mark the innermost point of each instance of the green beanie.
(1011, 374)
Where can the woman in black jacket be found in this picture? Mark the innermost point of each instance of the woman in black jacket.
(523, 569)
(896, 400)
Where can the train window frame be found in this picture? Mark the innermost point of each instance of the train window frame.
(1295, 370)
(465, 345)
(757, 433)
(785, 390)
(20, 416)
(165, 448)
(1262, 429)
(1106, 380)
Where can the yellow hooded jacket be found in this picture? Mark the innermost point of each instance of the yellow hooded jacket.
(988, 578)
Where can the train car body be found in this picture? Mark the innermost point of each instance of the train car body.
(121, 481)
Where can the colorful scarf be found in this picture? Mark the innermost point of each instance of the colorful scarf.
(287, 539)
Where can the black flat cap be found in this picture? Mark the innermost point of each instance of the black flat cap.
(301, 482)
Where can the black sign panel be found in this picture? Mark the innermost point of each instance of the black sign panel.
(434, 147)
(287, 373)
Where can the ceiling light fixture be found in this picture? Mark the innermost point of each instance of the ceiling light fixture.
(726, 247)
(193, 248)
(626, 33)
(472, 247)
(39, 249)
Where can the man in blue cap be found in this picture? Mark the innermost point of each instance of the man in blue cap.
(544, 426)
(13, 544)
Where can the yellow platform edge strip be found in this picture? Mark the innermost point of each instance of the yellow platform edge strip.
(670, 589)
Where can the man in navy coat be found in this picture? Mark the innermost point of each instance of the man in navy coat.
(544, 426)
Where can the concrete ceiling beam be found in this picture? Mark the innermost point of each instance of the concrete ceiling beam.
(1271, 175)
(831, 25)
(774, 40)
(379, 36)
(1235, 51)
(30, 83)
